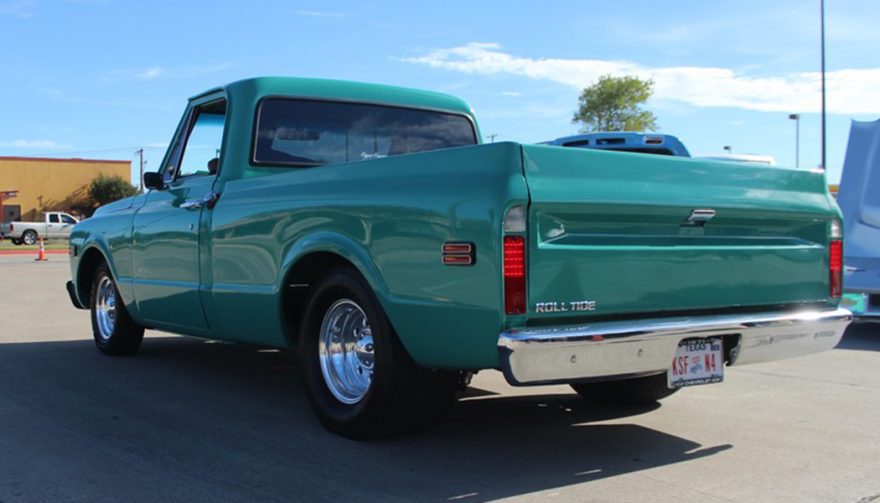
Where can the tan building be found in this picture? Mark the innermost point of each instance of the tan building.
(46, 184)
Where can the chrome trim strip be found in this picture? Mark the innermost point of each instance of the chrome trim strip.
(571, 353)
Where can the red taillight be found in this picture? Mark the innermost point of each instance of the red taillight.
(835, 267)
(514, 275)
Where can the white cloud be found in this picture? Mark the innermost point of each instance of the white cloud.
(512, 94)
(18, 8)
(315, 13)
(155, 72)
(150, 73)
(850, 91)
(36, 144)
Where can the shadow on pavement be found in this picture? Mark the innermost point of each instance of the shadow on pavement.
(199, 421)
(864, 336)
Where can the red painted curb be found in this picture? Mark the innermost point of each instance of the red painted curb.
(32, 252)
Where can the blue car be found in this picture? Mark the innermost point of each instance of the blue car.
(646, 143)
(860, 203)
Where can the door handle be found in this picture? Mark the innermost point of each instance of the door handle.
(191, 205)
(196, 204)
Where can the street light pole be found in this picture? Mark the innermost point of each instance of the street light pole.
(797, 138)
(728, 149)
(822, 36)
(140, 154)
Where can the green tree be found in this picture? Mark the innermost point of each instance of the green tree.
(613, 104)
(106, 189)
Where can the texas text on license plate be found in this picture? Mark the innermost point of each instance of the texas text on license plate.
(697, 361)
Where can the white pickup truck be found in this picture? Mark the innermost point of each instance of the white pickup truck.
(56, 225)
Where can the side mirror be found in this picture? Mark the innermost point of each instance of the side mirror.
(153, 180)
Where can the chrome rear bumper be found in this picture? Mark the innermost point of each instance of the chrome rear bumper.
(572, 353)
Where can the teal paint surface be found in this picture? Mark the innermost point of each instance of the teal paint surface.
(610, 227)
(602, 226)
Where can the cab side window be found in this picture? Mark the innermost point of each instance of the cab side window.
(67, 219)
(201, 151)
(53, 218)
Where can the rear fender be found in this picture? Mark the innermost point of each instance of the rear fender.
(338, 244)
(292, 299)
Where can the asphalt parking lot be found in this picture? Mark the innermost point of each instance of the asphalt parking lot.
(192, 420)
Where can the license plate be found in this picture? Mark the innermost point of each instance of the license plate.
(697, 361)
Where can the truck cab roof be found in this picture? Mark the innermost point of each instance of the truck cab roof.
(328, 89)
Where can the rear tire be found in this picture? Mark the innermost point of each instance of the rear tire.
(114, 331)
(29, 237)
(627, 392)
(16, 241)
(360, 380)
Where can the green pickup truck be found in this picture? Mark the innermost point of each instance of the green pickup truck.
(367, 227)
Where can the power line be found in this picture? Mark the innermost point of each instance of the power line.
(80, 152)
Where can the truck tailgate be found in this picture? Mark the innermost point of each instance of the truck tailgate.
(609, 233)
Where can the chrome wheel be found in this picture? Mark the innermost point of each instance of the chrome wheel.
(345, 350)
(105, 307)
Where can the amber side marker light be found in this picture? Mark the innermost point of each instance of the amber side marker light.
(459, 253)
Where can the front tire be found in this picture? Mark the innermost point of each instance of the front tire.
(360, 380)
(628, 392)
(114, 331)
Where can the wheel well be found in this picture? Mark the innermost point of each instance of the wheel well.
(300, 283)
(86, 273)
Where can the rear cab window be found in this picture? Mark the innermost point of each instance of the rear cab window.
(305, 133)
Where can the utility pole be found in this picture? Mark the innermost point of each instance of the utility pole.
(797, 138)
(822, 36)
(492, 137)
(140, 154)
(728, 149)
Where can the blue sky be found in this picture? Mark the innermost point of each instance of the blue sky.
(100, 78)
